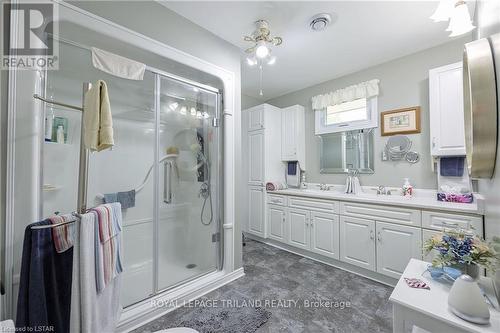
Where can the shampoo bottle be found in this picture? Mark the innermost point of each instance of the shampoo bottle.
(60, 134)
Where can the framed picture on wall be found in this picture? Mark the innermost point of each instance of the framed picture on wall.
(401, 121)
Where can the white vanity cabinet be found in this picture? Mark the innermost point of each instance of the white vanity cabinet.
(446, 111)
(276, 219)
(325, 231)
(299, 231)
(396, 245)
(357, 245)
(380, 238)
(293, 138)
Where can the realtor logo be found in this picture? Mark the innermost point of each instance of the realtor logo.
(27, 41)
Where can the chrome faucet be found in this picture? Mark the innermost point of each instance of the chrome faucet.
(382, 190)
(323, 187)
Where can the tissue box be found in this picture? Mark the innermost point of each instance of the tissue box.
(453, 197)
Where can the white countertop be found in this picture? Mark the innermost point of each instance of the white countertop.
(425, 199)
(434, 302)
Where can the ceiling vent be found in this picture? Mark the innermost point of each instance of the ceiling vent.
(320, 21)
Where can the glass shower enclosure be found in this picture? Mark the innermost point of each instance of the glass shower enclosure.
(167, 156)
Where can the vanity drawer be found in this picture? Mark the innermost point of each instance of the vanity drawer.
(320, 205)
(382, 213)
(439, 220)
(276, 199)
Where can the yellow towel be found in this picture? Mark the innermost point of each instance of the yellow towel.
(97, 120)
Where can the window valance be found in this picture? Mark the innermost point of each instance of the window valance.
(361, 90)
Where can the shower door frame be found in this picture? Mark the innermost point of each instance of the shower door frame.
(136, 314)
(158, 76)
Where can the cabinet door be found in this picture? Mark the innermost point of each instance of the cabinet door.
(256, 211)
(396, 245)
(299, 234)
(357, 246)
(325, 234)
(289, 134)
(256, 158)
(256, 118)
(446, 110)
(276, 222)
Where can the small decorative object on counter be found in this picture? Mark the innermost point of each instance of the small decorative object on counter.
(416, 283)
(463, 250)
(455, 197)
(466, 301)
(407, 188)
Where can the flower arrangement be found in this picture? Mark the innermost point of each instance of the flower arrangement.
(459, 247)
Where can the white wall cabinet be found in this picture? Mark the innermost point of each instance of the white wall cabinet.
(325, 234)
(299, 231)
(293, 137)
(358, 242)
(256, 158)
(446, 110)
(255, 118)
(276, 219)
(263, 163)
(396, 245)
(256, 222)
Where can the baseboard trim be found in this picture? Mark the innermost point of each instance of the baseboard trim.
(327, 261)
(146, 311)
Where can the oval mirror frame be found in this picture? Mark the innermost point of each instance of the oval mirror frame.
(480, 107)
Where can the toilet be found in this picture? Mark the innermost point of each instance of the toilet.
(178, 330)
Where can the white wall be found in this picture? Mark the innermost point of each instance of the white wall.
(403, 83)
(488, 23)
(158, 22)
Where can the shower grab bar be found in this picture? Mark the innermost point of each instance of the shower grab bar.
(48, 101)
(83, 168)
(148, 174)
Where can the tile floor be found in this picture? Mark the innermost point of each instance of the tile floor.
(272, 273)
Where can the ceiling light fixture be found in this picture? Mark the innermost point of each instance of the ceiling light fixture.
(443, 11)
(460, 21)
(457, 13)
(260, 52)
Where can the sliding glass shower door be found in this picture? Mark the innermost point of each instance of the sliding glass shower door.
(167, 150)
(187, 204)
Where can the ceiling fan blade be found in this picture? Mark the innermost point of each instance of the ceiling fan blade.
(248, 39)
(250, 49)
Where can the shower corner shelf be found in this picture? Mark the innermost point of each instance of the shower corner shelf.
(52, 143)
(50, 188)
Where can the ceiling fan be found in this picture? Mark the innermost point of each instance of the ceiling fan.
(260, 51)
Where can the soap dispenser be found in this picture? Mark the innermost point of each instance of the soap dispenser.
(407, 188)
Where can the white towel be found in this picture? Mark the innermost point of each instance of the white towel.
(97, 118)
(117, 65)
(91, 312)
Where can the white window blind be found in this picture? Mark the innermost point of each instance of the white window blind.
(355, 110)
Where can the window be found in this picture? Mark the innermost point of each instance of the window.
(346, 112)
(348, 116)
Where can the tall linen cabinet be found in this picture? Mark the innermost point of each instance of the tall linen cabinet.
(261, 139)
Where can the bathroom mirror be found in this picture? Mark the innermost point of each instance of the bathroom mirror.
(341, 152)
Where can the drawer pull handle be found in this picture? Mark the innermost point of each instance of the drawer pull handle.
(371, 235)
(378, 236)
(449, 224)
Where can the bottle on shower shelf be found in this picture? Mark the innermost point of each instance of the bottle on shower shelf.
(60, 134)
